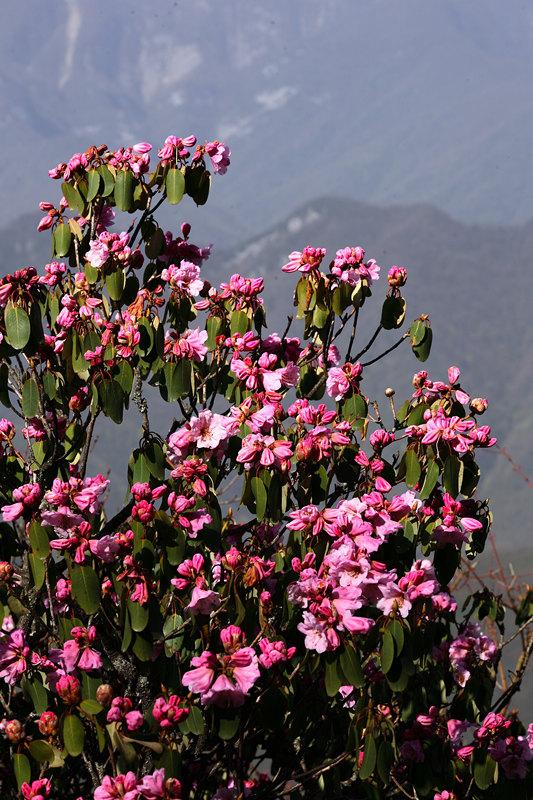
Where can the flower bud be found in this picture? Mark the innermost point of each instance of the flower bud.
(104, 694)
(478, 405)
(389, 392)
(6, 571)
(47, 723)
(14, 730)
(397, 276)
(68, 688)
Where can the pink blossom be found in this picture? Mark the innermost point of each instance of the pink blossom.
(123, 787)
(167, 712)
(185, 278)
(203, 601)
(78, 653)
(14, 654)
(37, 790)
(306, 261)
(264, 450)
(219, 153)
(342, 380)
(273, 653)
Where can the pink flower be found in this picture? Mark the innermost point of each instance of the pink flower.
(343, 380)
(13, 657)
(348, 266)
(37, 790)
(208, 430)
(77, 652)
(154, 786)
(123, 787)
(190, 344)
(306, 261)
(273, 653)
(264, 450)
(27, 497)
(219, 153)
(167, 713)
(185, 278)
(227, 679)
(203, 601)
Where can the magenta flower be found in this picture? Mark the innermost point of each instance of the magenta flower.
(37, 790)
(167, 712)
(78, 653)
(123, 787)
(307, 260)
(227, 679)
(264, 451)
(13, 657)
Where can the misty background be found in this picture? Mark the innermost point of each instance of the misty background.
(404, 127)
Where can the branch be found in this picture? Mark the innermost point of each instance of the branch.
(385, 352)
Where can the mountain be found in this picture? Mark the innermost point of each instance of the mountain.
(386, 103)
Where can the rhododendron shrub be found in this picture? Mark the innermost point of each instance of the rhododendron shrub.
(269, 614)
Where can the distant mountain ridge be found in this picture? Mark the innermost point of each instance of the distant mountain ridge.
(378, 101)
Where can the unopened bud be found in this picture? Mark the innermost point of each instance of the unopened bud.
(479, 405)
(47, 723)
(104, 694)
(6, 571)
(389, 392)
(68, 688)
(14, 730)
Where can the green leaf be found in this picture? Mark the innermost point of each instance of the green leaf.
(38, 694)
(369, 758)
(61, 239)
(21, 768)
(417, 331)
(228, 727)
(124, 189)
(385, 761)
(423, 349)
(138, 615)
(30, 398)
(430, 480)
(86, 588)
(175, 185)
(260, 493)
(18, 327)
(350, 663)
(112, 400)
(387, 651)
(93, 183)
(354, 407)
(178, 379)
(41, 751)
(195, 721)
(108, 180)
(412, 468)
(213, 326)
(114, 283)
(452, 475)
(239, 322)
(91, 707)
(332, 675)
(484, 769)
(155, 244)
(73, 196)
(393, 312)
(38, 570)
(397, 633)
(198, 183)
(73, 735)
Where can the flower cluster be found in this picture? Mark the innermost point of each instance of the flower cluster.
(275, 588)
